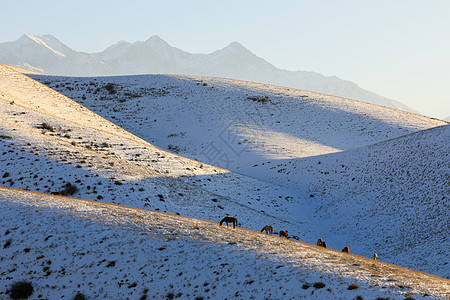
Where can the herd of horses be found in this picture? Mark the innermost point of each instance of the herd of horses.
(268, 229)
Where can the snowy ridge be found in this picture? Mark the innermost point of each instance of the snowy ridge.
(46, 54)
(41, 42)
(110, 245)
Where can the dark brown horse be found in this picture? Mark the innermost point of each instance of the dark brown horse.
(321, 243)
(284, 234)
(229, 220)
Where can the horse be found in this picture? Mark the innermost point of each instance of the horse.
(345, 250)
(268, 229)
(229, 220)
(321, 243)
(284, 234)
(375, 256)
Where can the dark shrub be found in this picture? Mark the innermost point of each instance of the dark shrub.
(353, 286)
(110, 88)
(170, 296)
(79, 296)
(261, 99)
(69, 189)
(7, 244)
(319, 285)
(111, 264)
(21, 290)
(173, 148)
(47, 126)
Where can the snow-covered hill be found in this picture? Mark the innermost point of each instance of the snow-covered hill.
(391, 197)
(66, 247)
(236, 124)
(155, 56)
(48, 141)
(265, 131)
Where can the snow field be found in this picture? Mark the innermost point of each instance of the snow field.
(65, 245)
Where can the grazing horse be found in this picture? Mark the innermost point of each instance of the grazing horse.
(284, 234)
(268, 229)
(229, 220)
(375, 256)
(345, 250)
(321, 243)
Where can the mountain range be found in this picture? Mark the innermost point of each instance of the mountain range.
(46, 54)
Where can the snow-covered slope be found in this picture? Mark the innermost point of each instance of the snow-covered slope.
(391, 197)
(271, 132)
(48, 140)
(65, 246)
(107, 163)
(47, 55)
(236, 124)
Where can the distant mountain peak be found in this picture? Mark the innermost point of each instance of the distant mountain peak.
(44, 40)
(235, 47)
(156, 41)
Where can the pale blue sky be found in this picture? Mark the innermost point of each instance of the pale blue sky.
(399, 49)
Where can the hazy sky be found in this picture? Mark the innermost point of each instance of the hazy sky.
(399, 49)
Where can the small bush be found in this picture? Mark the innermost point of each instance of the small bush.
(306, 286)
(353, 286)
(7, 244)
(319, 285)
(173, 148)
(111, 264)
(79, 296)
(110, 88)
(69, 189)
(261, 99)
(47, 126)
(21, 290)
(170, 296)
